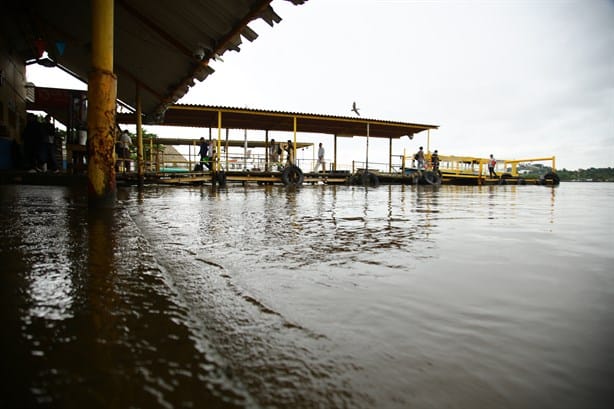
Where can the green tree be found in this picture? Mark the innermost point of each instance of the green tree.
(151, 147)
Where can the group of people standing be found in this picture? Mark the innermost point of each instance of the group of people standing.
(41, 150)
(420, 158)
(276, 152)
(39, 145)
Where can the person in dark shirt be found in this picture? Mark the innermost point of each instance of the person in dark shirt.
(32, 144)
(204, 154)
(435, 160)
(48, 144)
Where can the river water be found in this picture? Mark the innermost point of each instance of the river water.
(319, 297)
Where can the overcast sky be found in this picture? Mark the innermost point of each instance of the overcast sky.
(516, 78)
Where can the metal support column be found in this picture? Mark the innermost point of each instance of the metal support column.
(139, 138)
(367, 151)
(294, 161)
(335, 154)
(389, 155)
(428, 140)
(266, 150)
(102, 94)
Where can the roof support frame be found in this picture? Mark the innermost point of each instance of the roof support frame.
(217, 50)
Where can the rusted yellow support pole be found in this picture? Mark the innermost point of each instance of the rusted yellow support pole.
(219, 141)
(428, 140)
(367, 151)
(226, 148)
(196, 156)
(101, 94)
(390, 155)
(403, 161)
(554, 163)
(294, 162)
(139, 138)
(335, 154)
(266, 149)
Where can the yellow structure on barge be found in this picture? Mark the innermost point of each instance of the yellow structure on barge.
(468, 170)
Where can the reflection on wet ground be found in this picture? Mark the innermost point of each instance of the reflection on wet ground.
(318, 297)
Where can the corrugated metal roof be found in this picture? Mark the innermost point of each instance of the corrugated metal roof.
(163, 46)
(206, 116)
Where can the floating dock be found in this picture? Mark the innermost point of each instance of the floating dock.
(255, 165)
(452, 171)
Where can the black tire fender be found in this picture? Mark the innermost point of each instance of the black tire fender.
(432, 178)
(292, 176)
(550, 178)
(503, 179)
(220, 178)
(370, 179)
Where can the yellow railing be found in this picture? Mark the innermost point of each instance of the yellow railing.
(474, 166)
(514, 163)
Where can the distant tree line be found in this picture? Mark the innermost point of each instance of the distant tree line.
(587, 175)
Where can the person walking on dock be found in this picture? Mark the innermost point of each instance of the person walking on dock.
(420, 158)
(320, 159)
(274, 152)
(204, 154)
(491, 167)
(435, 161)
(290, 152)
(126, 142)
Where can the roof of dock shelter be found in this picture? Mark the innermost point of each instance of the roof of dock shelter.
(164, 47)
(206, 116)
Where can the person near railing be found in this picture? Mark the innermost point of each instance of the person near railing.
(204, 154)
(491, 166)
(435, 161)
(290, 153)
(274, 153)
(420, 158)
(122, 149)
(320, 161)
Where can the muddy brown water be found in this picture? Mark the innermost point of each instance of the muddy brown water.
(318, 297)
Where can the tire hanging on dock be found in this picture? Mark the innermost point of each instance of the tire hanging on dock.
(410, 179)
(220, 178)
(292, 176)
(432, 178)
(369, 179)
(503, 179)
(354, 180)
(550, 178)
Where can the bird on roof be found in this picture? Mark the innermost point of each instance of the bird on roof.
(355, 108)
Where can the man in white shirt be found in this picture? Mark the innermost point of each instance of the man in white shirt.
(320, 159)
(126, 142)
